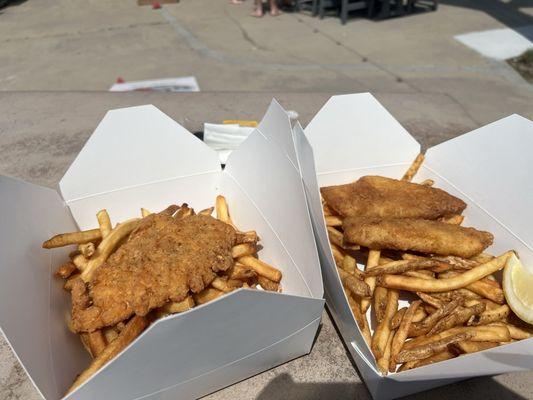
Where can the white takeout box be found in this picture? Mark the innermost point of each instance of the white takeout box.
(139, 157)
(490, 168)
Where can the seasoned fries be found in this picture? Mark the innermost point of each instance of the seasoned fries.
(461, 308)
(95, 247)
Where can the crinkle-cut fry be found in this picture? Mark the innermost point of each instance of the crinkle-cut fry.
(401, 334)
(468, 346)
(420, 314)
(381, 334)
(243, 249)
(87, 249)
(106, 247)
(359, 317)
(333, 220)
(241, 272)
(516, 332)
(261, 268)
(372, 261)
(444, 285)
(267, 284)
(133, 328)
(386, 359)
(489, 316)
(207, 211)
(338, 254)
(80, 261)
(401, 266)
(222, 285)
(422, 327)
(454, 219)
(458, 317)
(104, 222)
(428, 299)
(65, 239)
(207, 295)
(65, 270)
(482, 333)
(354, 285)
(110, 333)
(335, 236)
(413, 169)
(432, 348)
(442, 356)
(427, 182)
(145, 212)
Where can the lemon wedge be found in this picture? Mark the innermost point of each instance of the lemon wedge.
(518, 288)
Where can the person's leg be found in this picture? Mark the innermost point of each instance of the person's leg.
(274, 10)
(258, 8)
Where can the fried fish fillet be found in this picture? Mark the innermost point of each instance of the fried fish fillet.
(425, 236)
(376, 196)
(162, 260)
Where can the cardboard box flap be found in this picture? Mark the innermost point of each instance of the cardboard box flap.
(276, 127)
(120, 154)
(266, 175)
(29, 316)
(355, 131)
(492, 166)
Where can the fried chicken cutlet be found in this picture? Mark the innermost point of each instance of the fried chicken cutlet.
(376, 196)
(421, 235)
(162, 260)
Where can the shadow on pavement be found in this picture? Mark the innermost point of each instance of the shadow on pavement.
(7, 3)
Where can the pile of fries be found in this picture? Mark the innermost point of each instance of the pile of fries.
(96, 245)
(456, 305)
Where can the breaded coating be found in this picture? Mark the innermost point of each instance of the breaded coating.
(376, 196)
(409, 234)
(162, 260)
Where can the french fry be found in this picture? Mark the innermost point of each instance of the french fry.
(443, 285)
(184, 211)
(87, 249)
(380, 302)
(516, 332)
(386, 359)
(174, 307)
(221, 207)
(401, 266)
(381, 334)
(332, 220)
(338, 254)
(482, 258)
(401, 334)
(335, 236)
(246, 237)
(350, 265)
(243, 249)
(413, 169)
(467, 346)
(104, 222)
(481, 287)
(442, 356)
(65, 270)
(267, 284)
(145, 212)
(490, 316)
(241, 272)
(431, 348)
(458, 317)
(455, 219)
(261, 268)
(354, 285)
(107, 245)
(80, 261)
(420, 314)
(110, 333)
(66, 239)
(133, 329)
(207, 295)
(482, 333)
(422, 327)
(428, 299)
(359, 317)
(207, 211)
(222, 285)
(421, 273)
(95, 341)
(427, 182)
(171, 210)
(373, 261)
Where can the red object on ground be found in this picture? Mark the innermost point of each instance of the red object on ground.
(156, 5)
(120, 80)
